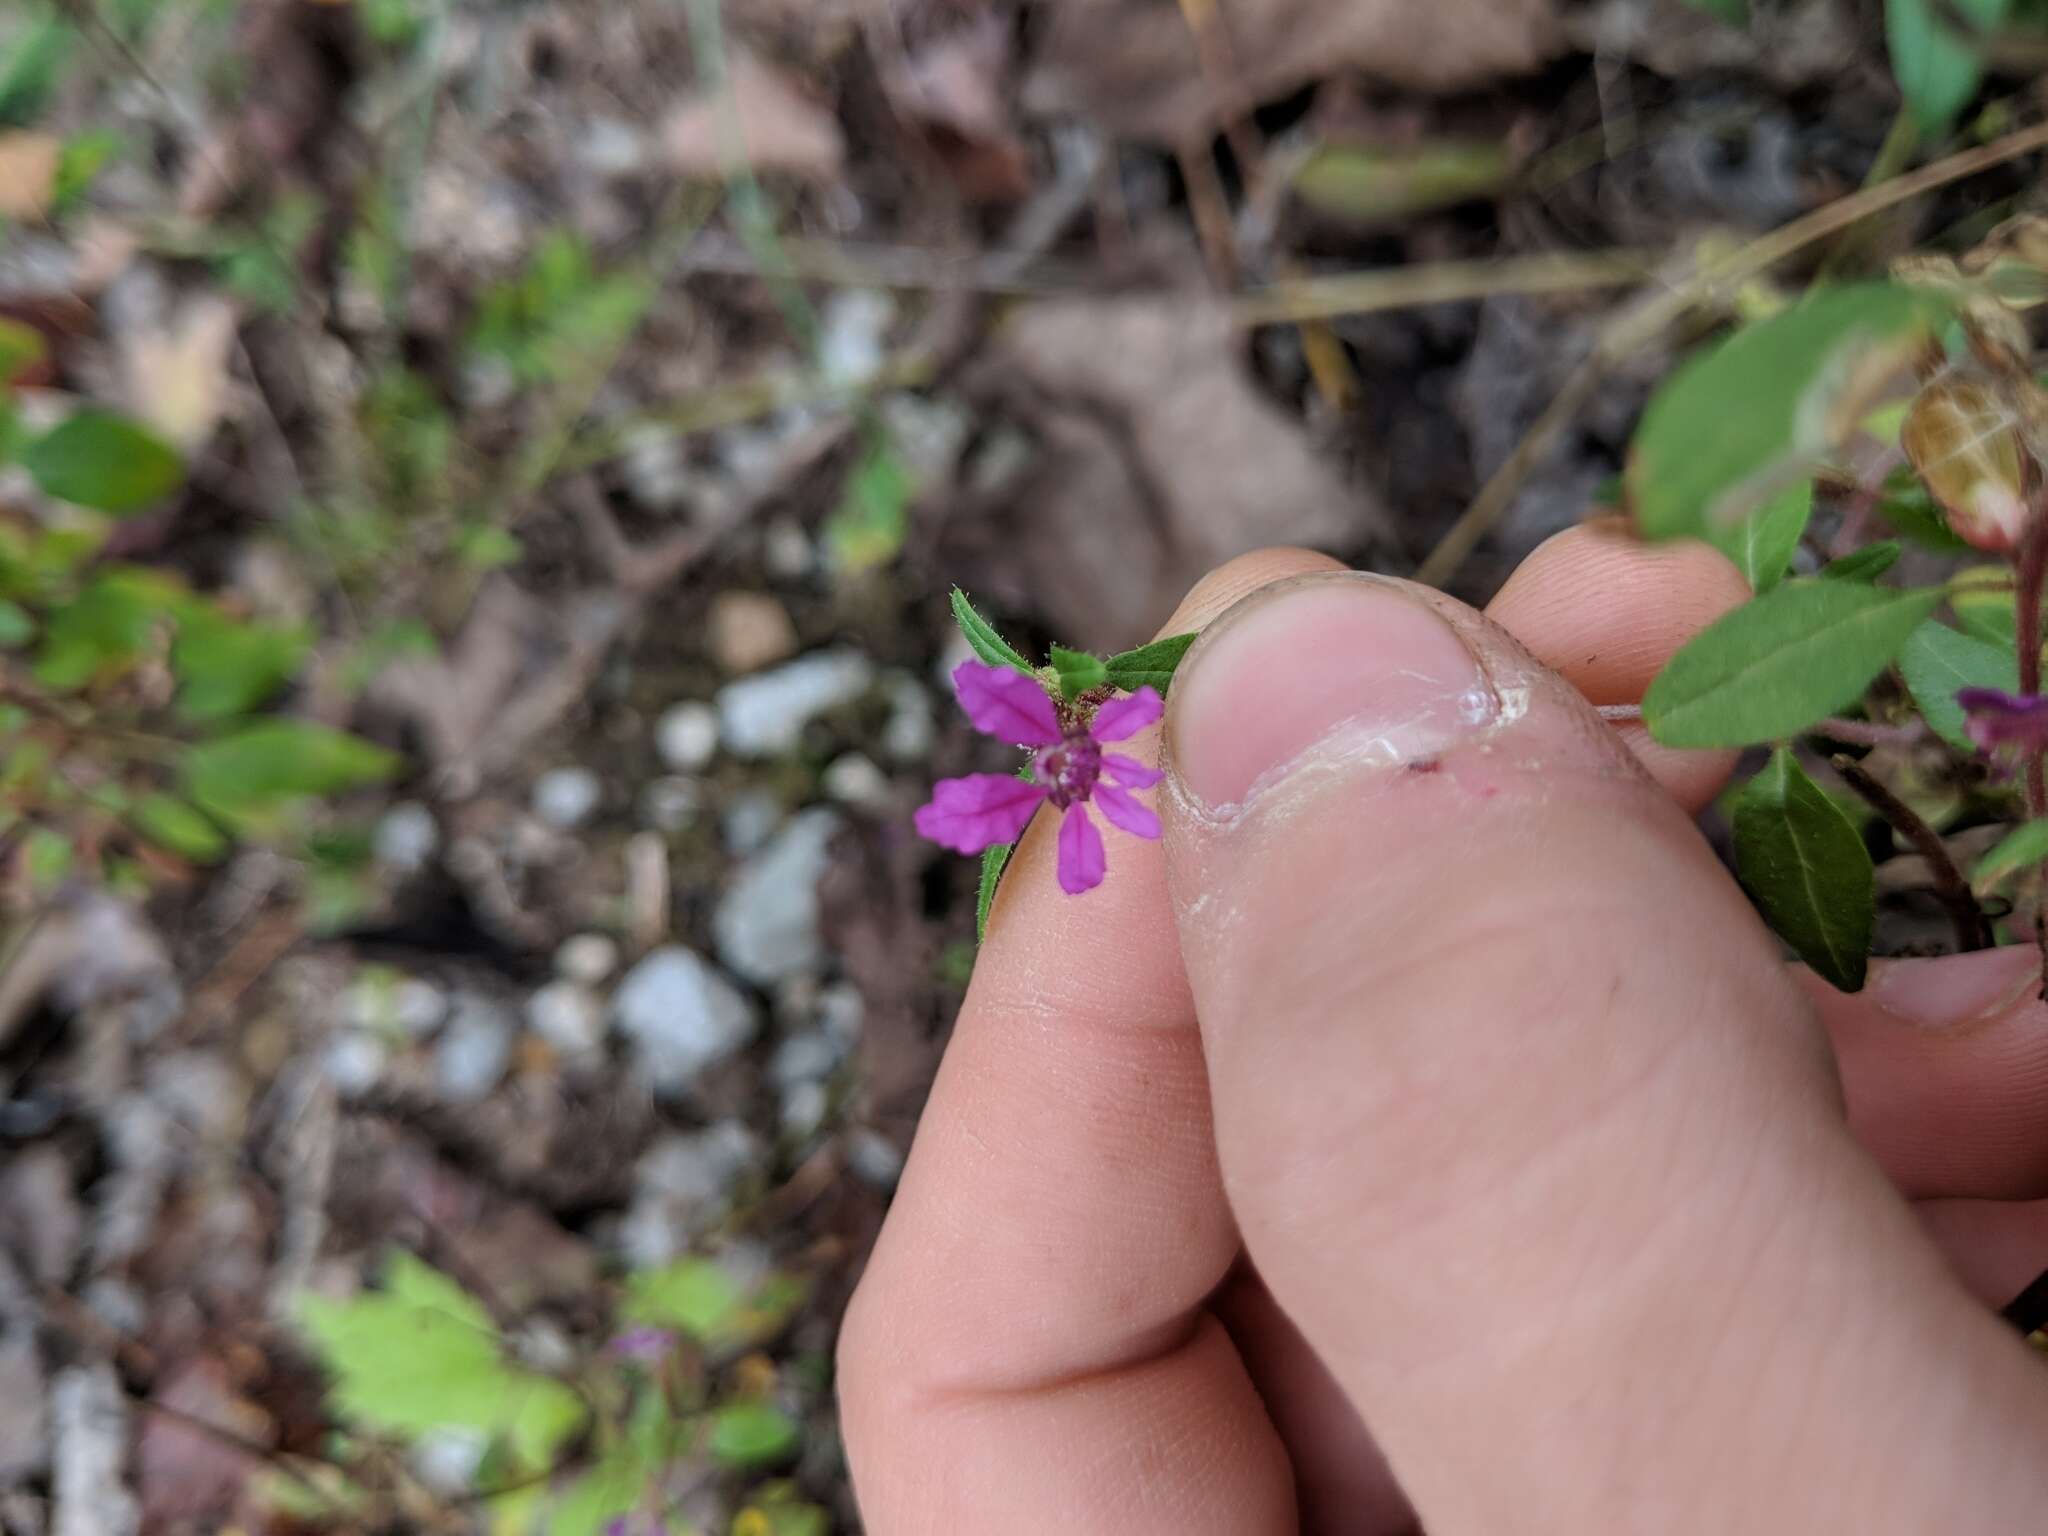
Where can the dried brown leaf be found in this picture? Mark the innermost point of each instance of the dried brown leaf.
(762, 119)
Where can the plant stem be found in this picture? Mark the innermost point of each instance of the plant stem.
(2032, 570)
(1973, 929)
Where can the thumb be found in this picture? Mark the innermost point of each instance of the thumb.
(1524, 1124)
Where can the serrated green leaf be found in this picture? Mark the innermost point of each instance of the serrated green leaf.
(422, 1354)
(104, 461)
(2024, 846)
(1762, 544)
(260, 766)
(1736, 424)
(1772, 667)
(227, 667)
(752, 1435)
(170, 823)
(1865, 564)
(1805, 864)
(1937, 661)
(983, 639)
(1149, 666)
(1077, 671)
(1938, 69)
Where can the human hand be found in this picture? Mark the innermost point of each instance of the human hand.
(1503, 1131)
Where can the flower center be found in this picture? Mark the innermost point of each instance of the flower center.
(1071, 768)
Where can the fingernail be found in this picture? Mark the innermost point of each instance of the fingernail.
(1354, 664)
(1955, 989)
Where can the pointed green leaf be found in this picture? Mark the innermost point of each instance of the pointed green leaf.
(104, 461)
(16, 627)
(1988, 612)
(1734, 425)
(1938, 69)
(1149, 666)
(1077, 671)
(227, 667)
(2025, 845)
(1912, 512)
(170, 823)
(1805, 864)
(982, 637)
(1772, 667)
(1762, 544)
(260, 766)
(1937, 661)
(1866, 564)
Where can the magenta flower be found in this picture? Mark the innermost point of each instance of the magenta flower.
(1993, 718)
(1070, 769)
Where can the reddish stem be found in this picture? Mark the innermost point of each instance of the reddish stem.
(2032, 571)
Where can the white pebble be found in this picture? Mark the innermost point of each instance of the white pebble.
(565, 797)
(354, 1062)
(803, 1109)
(671, 803)
(587, 958)
(786, 550)
(567, 1016)
(854, 780)
(406, 837)
(874, 1158)
(803, 1058)
(686, 736)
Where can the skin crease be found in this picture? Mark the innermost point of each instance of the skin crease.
(1060, 1328)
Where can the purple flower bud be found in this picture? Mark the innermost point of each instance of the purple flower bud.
(1993, 718)
(649, 1345)
(1070, 770)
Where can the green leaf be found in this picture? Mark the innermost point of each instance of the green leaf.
(752, 1435)
(1938, 660)
(1078, 671)
(1938, 70)
(85, 156)
(1912, 512)
(1149, 666)
(37, 51)
(1762, 544)
(867, 528)
(1734, 425)
(1865, 564)
(487, 548)
(422, 1354)
(16, 627)
(983, 639)
(1805, 864)
(47, 855)
(21, 348)
(2025, 845)
(104, 461)
(104, 628)
(225, 667)
(261, 766)
(171, 823)
(696, 1296)
(993, 859)
(1780, 662)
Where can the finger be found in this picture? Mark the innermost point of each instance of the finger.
(1522, 1121)
(1944, 1063)
(1024, 1351)
(1997, 1247)
(1606, 611)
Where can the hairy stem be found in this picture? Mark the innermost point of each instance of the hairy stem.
(1973, 929)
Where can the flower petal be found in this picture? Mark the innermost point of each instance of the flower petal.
(1006, 705)
(1082, 861)
(979, 811)
(1127, 716)
(1995, 718)
(1129, 772)
(1126, 811)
